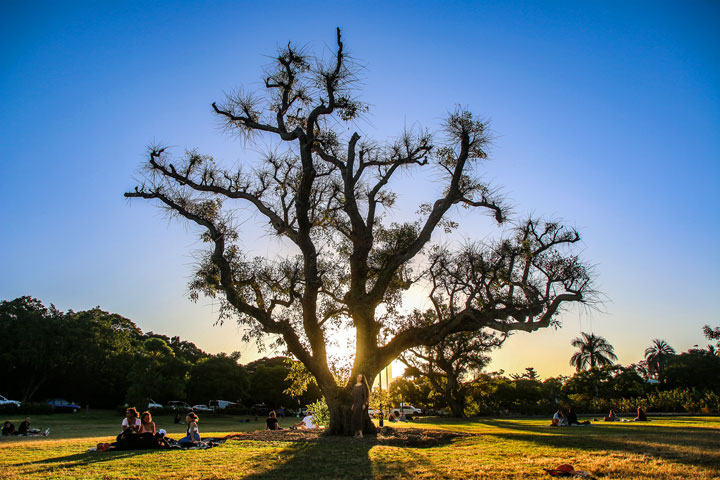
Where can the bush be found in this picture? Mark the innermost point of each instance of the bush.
(321, 412)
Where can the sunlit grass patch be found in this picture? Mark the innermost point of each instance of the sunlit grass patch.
(666, 448)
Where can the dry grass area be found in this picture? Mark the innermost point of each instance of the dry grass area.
(665, 448)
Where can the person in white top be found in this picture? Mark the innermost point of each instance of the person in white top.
(307, 422)
(131, 423)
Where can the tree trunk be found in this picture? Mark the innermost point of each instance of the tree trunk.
(457, 406)
(340, 407)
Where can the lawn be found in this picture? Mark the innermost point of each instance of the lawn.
(666, 447)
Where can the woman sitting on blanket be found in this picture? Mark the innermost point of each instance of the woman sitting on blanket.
(130, 424)
(641, 417)
(573, 420)
(559, 419)
(612, 417)
(193, 434)
(146, 423)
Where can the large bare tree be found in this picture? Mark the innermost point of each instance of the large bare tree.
(325, 194)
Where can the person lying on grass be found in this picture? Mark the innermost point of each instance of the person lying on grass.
(272, 421)
(193, 434)
(307, 422)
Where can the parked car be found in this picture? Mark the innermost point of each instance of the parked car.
(407, 410)
(62, 405)
(153, 404)
(7, 401)
(260, 409)
(221, 404)
(178, 405)
(202, 408)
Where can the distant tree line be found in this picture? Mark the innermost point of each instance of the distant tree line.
(104, 360)
(664, 381)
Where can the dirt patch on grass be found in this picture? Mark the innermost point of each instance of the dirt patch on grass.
(399, 437)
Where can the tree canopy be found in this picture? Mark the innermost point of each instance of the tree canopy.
(345, 266)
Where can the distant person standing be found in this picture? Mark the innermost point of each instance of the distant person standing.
(360, 398)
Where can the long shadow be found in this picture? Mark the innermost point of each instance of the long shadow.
(330, 457)
(82, 459)
(654, 441)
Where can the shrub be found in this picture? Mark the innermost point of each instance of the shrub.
(321, 412)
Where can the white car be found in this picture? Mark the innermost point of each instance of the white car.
(153, 404)
(202, 408)
(407, 410)
(6, 401)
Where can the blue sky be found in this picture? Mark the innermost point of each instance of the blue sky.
(606, 114)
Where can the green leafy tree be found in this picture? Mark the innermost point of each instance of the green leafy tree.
(34, 345)
(693, 369)
(157, 373)
(713, 334)
(593, 351)
(218, 377)
(325, 193)
(657, 356)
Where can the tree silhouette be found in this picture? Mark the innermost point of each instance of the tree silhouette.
(325, 194)
(657, 356)
(593, 351)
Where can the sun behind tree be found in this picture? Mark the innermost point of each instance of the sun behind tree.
(325, 194)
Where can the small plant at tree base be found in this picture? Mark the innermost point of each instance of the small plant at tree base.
(320, 413)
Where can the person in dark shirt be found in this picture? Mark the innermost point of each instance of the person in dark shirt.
(360, 398)
(8, 428)
(24, 427)
(641, 417)
(573, 419)
(272, 421)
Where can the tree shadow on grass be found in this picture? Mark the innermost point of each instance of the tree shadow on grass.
(660, 442)
(335, 457)
(81, 460)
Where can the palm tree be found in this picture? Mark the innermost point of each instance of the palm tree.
(657, 356)
(594, 351)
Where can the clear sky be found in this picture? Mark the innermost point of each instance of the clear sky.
(607, 114)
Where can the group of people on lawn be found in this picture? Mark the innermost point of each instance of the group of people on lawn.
(561, 420)
(138, 431)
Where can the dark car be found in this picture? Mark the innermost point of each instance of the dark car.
(260, 409)
(62, 405)
(179, 405)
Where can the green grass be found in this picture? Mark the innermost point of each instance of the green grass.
(679, 447)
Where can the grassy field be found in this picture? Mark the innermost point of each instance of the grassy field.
(667, 447)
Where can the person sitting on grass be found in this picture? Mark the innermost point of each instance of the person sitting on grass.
(8, 428)
(146, 424)
(193, 434)
(24, 427)
(641, 417)
(272, 421)
(559, 419)
(130, 424)
(307, 422)
(612, 417)
(572, 418)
